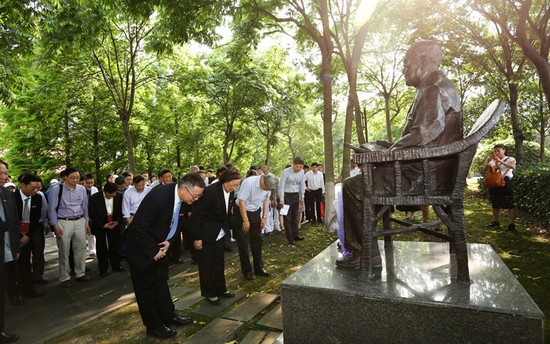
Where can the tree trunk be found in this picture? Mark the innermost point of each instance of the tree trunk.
(347, 137)
(388, 117)
(97, 161)
(178, 149)
(542, 130)
(326, 46)
(518, 134)
(268, 151)
(124, 118)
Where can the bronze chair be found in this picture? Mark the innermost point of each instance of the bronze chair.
(423, 189)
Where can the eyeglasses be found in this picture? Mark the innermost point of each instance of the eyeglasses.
(195, 197)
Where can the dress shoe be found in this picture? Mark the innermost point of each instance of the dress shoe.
(8, 338)
(262, 272)
(214, 300)
(227, 295)
(103, 274)
(41, 280)
(66, 284)
(180, 321)
(17, 300)
(34, 293)
(351, 261)
(84, 278)
(298, 238)
(161, 332)
(249, 276)
(119, 269)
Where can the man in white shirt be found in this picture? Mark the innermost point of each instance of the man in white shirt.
(291, 193)
(253, 197)
(133, 197)
(315, 190)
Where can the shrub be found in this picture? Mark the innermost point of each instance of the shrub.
(530, 154)
(531, 184)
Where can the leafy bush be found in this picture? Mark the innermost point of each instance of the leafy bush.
(530, 154)
(531, 184)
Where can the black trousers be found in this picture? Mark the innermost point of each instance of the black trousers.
(352, 195)
(313, 204)
(211, 268)
(291, 219)
(254, 237)
(107, 245)
(31, 257)
(152, 293)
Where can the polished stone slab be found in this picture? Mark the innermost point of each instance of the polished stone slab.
(254, 337)
(413, 299)
(273, 319)
(254, 305)
(219, 331)
(179, 290)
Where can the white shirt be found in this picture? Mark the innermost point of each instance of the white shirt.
(315, 181)
(251, 192)
(221, 234)
(291, 182)
(503, 168)
(108, 205)
(132, 199)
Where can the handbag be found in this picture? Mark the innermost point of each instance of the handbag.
(493, 177)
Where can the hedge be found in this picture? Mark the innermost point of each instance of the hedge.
(531, 185)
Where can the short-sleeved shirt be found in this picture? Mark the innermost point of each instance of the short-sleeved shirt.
(251, 192)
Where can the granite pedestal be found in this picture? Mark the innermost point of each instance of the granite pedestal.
(413, 298)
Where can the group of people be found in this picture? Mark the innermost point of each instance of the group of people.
(204, 209)
(144, 221)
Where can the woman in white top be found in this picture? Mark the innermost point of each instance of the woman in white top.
(502, 197)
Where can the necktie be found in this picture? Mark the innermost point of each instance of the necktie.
(26, 214)
(175, 219)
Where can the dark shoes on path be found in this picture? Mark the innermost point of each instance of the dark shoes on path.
(161, 332)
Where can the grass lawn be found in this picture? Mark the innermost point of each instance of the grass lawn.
(526, 253)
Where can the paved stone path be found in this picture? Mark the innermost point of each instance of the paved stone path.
(65, 308)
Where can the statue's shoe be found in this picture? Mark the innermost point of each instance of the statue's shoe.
(354, 262)
(351, 261)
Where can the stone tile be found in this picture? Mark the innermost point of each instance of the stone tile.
(188, 300)
(280, 339)
(219, 331)
(272, 338)
(273, 319)
(207, 309)
(248, 309)
(254, 337)
(180, 290)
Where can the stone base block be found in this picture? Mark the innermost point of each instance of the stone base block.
(413, 299)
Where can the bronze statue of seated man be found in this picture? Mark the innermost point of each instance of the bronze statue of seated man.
(433, 119)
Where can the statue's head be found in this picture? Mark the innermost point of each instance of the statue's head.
(422, 58)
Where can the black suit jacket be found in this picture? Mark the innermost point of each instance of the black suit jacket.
(97, 210)
(35, 210)
(209, 214)
(11, 224)
(151, 225)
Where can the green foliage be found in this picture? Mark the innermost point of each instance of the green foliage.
(532, 190)
(531, 154)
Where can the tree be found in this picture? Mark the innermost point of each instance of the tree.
(312, 22)
(526, 23)
(17, 28)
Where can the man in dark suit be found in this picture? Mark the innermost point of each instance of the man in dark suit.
(154, 226)
(105, 211)
(9, 223)
(31, 208)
